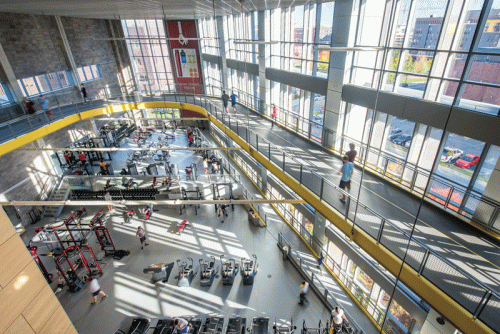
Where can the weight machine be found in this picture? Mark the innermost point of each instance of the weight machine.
(191, 195)
(186, 272)
(74, 258)
(33, 251)
(229, 270)
(318, 330)
(222, 190)
(208, 271)
(191, 172)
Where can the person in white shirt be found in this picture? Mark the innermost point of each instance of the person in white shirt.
(304, 287)
(338, 317)
(182, 325)
(95, 289)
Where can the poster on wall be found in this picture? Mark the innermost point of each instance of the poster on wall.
(184, 52)
(186, 63)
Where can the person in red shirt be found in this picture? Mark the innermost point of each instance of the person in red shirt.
(82, 157)
(66, 157)
(351, 155)
(274, 115)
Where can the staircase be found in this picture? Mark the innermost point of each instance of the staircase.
(61, 194)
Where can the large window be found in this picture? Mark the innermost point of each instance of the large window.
(5, 96)
(207, 29)
(45, 83)
(240, 28)
(296, 31)
(89, 73)
(149, 54)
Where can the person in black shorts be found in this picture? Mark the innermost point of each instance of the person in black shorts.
(225, 99)
(84, 92)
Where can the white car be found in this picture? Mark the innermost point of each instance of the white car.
(450, 155)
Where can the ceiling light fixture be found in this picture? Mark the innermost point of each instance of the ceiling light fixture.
(347, 48)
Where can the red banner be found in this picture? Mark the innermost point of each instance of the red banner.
(184, 53)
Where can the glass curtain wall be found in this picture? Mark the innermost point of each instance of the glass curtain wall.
(149, 54)
(207, 30)
(240, 28)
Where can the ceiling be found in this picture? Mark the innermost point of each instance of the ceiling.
(143, 9)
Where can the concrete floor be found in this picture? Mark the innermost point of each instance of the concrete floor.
(274, 293)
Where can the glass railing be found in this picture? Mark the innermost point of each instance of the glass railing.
(474, 296)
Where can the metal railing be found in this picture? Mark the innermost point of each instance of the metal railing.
(471, 294)
(474, 296)
(315, 283)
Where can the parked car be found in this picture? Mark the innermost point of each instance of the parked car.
(450, 155)
(402, 140)
(395, 133)
(467, 161)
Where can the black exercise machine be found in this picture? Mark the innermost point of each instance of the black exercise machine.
(191, 195)
(249, 270)
(284, 329)
(133, 325)
(186, 272)
(160, 271)
(236, 325)
(260, 325)
(229, 270)
(213, 325)
(208, 271)
(318, 330)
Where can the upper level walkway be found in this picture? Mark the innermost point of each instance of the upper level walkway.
(461, 261)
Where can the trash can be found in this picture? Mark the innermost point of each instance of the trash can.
(285, 253)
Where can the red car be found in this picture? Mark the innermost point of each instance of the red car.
(467, 161)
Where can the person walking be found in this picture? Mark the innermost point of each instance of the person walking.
(304, 287)
(66, 158)
(30, 107)
(337, 317)
(346, 172)
(95, 289)
(274, 115)
(320, 263)
(45, 104)
(205, 165)
(225, 100)
(141, 234)
(107, 197)
(84, 93)
(352, 155)
(233, 101)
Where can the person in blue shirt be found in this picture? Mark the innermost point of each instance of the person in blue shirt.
(346, 172)
(45, 104)
(233, 101)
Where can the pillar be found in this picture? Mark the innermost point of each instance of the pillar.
(222, 50)
(319, 231)
(344, 26)
(67, 52)
(262, 61)
(11, 77)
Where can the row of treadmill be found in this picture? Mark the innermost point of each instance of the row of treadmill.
(211, 325)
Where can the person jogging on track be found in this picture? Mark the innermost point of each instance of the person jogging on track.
(352, 155)
(233, 101)
(346, 172)
(274, 115)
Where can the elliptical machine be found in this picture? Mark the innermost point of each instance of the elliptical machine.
(229, 270)
(249, 270)
(186, 272)
(284, 329)
(208, 271)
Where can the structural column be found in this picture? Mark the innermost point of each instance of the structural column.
(11, 77)
(222, 50)
(67, 52)
(319, 231)
(262, 62)
(344, 26)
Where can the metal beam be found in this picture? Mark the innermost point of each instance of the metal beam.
(116, 149)
(150, 119)
(174, 202)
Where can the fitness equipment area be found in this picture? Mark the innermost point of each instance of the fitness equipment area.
(159, 271)
(66, 243)
(186, 272)
(229, 270)
(208, 271)
(249, 270)
(286, 329)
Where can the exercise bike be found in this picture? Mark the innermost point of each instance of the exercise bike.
(186, 273)
(229, 270)
(208, 271)
(249, 270)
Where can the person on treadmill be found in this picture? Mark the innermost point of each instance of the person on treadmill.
(181, 325)
(148, 210)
